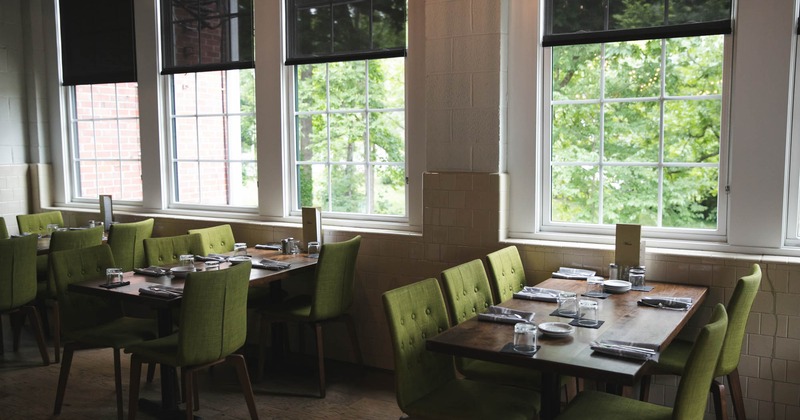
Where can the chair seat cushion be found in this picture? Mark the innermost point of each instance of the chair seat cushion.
(297, 308)
(467, 399)
(162, 350)
(673, 359)
(597, 405)
(118, 333)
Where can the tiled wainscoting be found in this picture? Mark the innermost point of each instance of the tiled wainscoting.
(462, 222)
(13, 194)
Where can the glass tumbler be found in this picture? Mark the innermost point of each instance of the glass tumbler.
(240, 249)
(588, 312)
(567, 304)
(52, 227)
(313, 249)
(525, 340)
(211, 265)
(187, 261)
(636, 277)
(594, 286)
(113, 275)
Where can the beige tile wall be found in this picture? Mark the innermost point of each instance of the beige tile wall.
(14, 198)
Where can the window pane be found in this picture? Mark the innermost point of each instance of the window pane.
(311, 86)
(210, 90)
(630, 195)
(186, 138)
(694, 66)
(692, 131)
(576, 133)
(690, 197)
(387, 136)
(313, 186)
(184, 97)
(633, 69)
(213, 183)
(576, 72)
(631, 132)
(348, 132)
(212, 139)
(386, 80)
(312, 138)
(576, 194)
(348, 189)
(85, 136)
(352, 26)
(389, 185)
(348, 82)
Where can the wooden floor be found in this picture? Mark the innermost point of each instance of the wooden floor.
(27, 389)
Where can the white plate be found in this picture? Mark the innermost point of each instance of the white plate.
(181, 271)
(239, 259)
(556, 329)
(616, 286)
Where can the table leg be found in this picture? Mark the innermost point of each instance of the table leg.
(551, 395)
(169, 399)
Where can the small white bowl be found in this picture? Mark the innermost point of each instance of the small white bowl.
(181, 271)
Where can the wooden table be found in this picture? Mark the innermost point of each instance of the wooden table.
(164, 307)
(623, 320)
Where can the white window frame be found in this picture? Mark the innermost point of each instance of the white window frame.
(756, 136)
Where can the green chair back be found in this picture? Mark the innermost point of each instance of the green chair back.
(507, 273)
(213, 321)
(78, 310)
(467, 291)
(17, 271)
(416, 312)
(334, 279)
(168, 250)
(37, 222)
(692, 396)
(3, 229)
(70, 239)
(738, 311)
(127, 243)
(215, 239)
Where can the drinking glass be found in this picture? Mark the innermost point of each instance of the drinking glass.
(240, 249)
(636, 276)
(295, 248)
(567, 304)
(187, 261)
(52, 227)
(113, 275)
(313, 249)
(594, 286)
(525, 340)
(588, 312)
(211, 265)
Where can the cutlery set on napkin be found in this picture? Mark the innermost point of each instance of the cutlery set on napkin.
(505, 315)
(268, 264)
(161, 291)
(639, 351)
(667, 302)
(537, 293)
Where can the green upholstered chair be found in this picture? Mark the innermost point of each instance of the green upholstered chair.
(213, 324)
(127, 243)
(690, 401)
(18, 288)
(329, 301)
(507, 273)
(89, 321)
(674, 359)
(3, 229)
(62, 241)
(426, 383)
(37, 222)
(215, 239)
(168, 250)
(467, 292)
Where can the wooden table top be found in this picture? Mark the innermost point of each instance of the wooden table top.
(571, 355)
(258, 277)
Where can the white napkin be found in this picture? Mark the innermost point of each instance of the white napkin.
(505, 315)
(667, 302)
(537, 293)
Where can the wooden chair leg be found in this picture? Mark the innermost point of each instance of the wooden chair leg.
(720, 405)
(118, 383)
(644, 388)
(69, 349)
(244, 380)
(320, 359)
(735, 384)
(188, 391)
(33, 316)
(16, 328)
(133, 393)
(56, 331)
